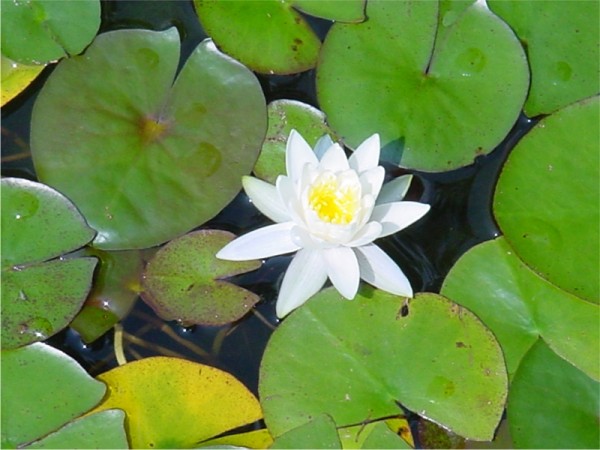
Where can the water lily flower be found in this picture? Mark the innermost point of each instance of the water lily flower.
(330, 209)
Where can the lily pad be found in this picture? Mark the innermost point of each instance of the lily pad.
(346, 11)
(379, 434)
(267, 36)
(562, 43)
(40, 295)
(320, 432)
(177, 151)
(174, 403)
(552, 404)
(283, 117)
(362, 350)
(40, 31)
(185, 281)
(519, 307)
(105, 429)
(16, 77)
(437, 91)
(42, 389)
(547, 201)
(117, 285)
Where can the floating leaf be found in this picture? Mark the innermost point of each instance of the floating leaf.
(519, 306)
(438, 93)
(40, 31)
(375, 356)
(184, 281)
(101, 430)
(15, 78)
(376, 435)
(174, 403)
(153, 159)
(317, 433)
(547, 199)
(115, 290)
(552, 404)
(285, 115)
(346, 11)
(42, 389)
(562, 48)
(267, 36)
(40, 297)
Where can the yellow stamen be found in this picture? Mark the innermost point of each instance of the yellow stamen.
(333, 203)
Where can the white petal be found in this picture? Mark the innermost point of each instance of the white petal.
(366, 156)
(266, 198)
(366, 235)
(398, 215)
(323, 145)
(304, 277)
(297, 154)
(342, 269)
(372, 180)
(267, 241)
(394, 190)
(381, 271)
(334, 159)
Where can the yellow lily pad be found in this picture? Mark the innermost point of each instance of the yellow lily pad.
(16, 77)
(174, 403)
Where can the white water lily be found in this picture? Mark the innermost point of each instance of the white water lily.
(329, 209)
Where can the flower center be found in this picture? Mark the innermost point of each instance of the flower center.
(334, 202)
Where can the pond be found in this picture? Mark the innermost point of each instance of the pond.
(126, 170)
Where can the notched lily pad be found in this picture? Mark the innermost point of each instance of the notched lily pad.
(178, 147)
(437, 91)
(186, 282)
(283, 116)
(40, 31)
(460, 382)
(40, 295)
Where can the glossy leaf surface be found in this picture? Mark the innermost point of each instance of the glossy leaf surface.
(346, 11)
(438, 93)
(268, 36)
(552, 404)
(178, 148)
(362, 349)
(40, 297)
(174, 403)
(519, 307)
(40, 31)
(563, 49)
(15, 78)
(186, 282)
(42, 389)
(283, 117)
(547, 200)
(320, 432)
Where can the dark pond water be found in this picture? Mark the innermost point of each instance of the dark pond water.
(460, 217)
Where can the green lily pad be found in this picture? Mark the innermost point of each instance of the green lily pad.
(185, 281)
(177, 151)
(346, 11)
(547, 199)
(375, 435)
(437, 91)
(268, 36)
(105, 429)
(552, 404)
(116, 288)
(15, 78)
(320, 432)
(562, 48)
(42, 389)
(174, 403)
(40, 31)
(283, 117)
(519, 306)
(40, 295)
(375, 353)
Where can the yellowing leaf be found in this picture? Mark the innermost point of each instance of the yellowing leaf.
(16, 77)
(174, 403)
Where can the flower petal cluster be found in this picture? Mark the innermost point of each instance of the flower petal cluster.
(330, 209)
